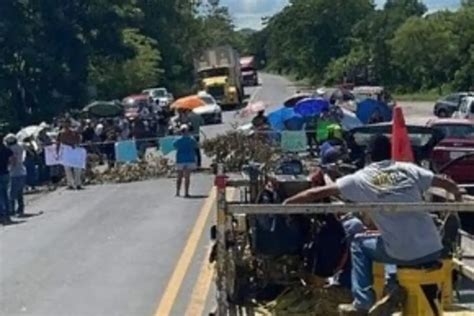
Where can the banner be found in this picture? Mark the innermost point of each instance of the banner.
(67, 156)
(294, 141)
(126, 151)
(74, 157)
(51, 155)
(167, 144)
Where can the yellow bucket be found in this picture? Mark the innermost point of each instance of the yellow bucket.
(378, 271)
(424, 291)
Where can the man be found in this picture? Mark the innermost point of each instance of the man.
(17, 175)
(69, 137)
(6, 159)
(185, 159)
(408, 238)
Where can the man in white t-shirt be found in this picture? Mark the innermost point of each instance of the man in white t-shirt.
(406, 238)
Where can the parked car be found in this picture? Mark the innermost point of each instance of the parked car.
(377, 93)
(457, 141)
(466, 108)
(446, 106)
(211, 112)
(160, 96)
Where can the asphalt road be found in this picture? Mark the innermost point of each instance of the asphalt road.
(128, 249)
(119, 250)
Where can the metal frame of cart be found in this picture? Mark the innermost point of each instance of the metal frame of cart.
(226, 209)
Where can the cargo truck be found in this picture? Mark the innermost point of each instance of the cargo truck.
(249, 71)
(219, 74)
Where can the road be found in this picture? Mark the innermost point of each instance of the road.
(121, 250)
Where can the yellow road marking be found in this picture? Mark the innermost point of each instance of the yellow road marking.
(176, 280)
(201, 289)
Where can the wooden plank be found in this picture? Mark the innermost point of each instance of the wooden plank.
(348, 208)
(464, 269)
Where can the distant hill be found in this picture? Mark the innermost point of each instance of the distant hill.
(247, 31)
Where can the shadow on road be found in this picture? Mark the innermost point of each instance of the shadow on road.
(197, 197)
(11, 223)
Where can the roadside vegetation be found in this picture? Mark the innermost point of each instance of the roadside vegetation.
(401, 45)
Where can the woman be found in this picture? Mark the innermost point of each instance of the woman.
(185, 159)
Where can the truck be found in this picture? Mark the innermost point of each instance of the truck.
(249, 71)
(219, 74)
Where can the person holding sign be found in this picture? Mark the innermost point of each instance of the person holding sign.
(71, 138)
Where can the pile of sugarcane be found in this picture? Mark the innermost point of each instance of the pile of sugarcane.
(122, 173)
(306, 301)
(235, 149)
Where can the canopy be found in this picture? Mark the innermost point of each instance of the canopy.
(286, 118)
(104, 108)
(311, 106)
(188, 103)
(368, 107)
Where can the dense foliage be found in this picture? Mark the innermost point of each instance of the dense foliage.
(400, 45)
(58, 55)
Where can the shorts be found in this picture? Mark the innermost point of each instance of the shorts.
(186, 166)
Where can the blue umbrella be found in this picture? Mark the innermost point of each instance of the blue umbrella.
(284, 115)
(311, 107)
(367, 107)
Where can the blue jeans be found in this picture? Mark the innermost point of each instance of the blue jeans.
(17, 186)
(4, 179)
(365, 250)
(352, 226)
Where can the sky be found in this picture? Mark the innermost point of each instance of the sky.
(248, 13)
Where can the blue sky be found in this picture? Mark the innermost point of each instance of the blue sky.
(248, 13)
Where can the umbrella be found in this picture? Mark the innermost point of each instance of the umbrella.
(285, 117)
(253, 108)
(188, 103)
(103, 108)
(295, 98)
(368, 107)
(311, 107)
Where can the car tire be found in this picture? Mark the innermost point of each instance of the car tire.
(218, 119)
(442, 113)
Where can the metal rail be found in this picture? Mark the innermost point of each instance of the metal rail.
(234, 208)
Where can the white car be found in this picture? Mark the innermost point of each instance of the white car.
(160, 96)
(211, 112)
(466, 109)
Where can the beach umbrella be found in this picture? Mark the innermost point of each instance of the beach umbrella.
(253, 108)
(290, 102)
(311, 107)
(188, 103)
(103, 108)
(285, 117)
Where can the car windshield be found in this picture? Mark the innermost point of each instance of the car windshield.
(456, 130)
(159, 93)
(215, 72)
(208, 100)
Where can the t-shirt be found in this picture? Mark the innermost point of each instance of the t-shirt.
(18, 168)
(185, 149)
(5, 154)
(406, 235)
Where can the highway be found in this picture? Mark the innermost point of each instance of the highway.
(118, 250)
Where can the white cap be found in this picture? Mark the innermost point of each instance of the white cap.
(184, 127)
(321, 91)
(10, 138)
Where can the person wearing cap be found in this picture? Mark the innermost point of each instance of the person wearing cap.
(69, 137)
(186, 159)
(17, 176)
(6, 160)
(409, 238)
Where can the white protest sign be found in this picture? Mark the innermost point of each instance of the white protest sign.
(74, 157)
(51, 155)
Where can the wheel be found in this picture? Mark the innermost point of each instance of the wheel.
(442, 113)
(218, 119)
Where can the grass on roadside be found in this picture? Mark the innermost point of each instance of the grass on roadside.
(417, 96)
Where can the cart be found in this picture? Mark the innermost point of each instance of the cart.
(232, 227)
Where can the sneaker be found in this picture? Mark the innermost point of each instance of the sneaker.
(390, 303)
(350, 310)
